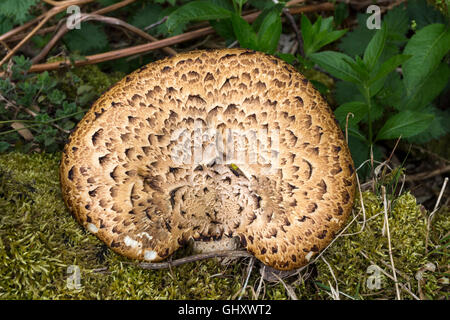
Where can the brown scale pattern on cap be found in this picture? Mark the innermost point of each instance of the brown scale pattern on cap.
(121, 183)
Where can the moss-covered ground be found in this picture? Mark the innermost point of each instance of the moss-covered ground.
(39, 240)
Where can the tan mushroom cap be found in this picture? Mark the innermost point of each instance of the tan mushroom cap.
(123, 179)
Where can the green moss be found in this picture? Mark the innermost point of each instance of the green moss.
(86, 83)
(352, 255)
(39, 240)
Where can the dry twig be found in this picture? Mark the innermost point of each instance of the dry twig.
(196, 257)
(109, 20)
(121, 53)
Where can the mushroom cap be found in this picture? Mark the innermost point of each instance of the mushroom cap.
(211, 144)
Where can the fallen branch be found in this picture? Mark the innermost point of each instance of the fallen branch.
(196, 257)
(14, 34)
(121, 53)
(428, 175)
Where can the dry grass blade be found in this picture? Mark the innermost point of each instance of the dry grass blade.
(386, 219)
(334, 292)
(249, 272)
(436, 207)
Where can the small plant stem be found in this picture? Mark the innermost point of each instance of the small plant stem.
(369, 105)
(35, 122)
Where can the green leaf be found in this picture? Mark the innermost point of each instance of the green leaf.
(388, 66)
(56, 96)
(269, 32)
(375, 47)
(438, 127)
(405, 124)
(337, 64)
(347, 92)
(340, 13)
(89, 39)
(318, 35)
(261, 4)
(4, 146)
(16, 9)
(256, 25)
(423, 13)
(392, 92)
(427, 90)
(359, 109)
(226, 4)
(427, 47)
(6, 24)
(224, 28)
(307, 34)
(244, 32)
(162, 28)
(356, 41)
(146, 16)
(196, 11)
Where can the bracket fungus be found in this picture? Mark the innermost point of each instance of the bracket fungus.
(210, 145)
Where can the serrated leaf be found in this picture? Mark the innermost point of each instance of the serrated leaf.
(146, 16)
(388, 66)
(6, 24)
(424, 14)
(375, 47)
(405, 124)
(224, 28)
(357, 108)
(196, 11)
(428, 89)
(392, 92)
(336, 64)
(269, 32)
(244, 32)
(427, 47)
(347, 92)
(226, 4)
(88, 39)
(319, 34)
(16, 9)
(438, 127)
(261, 17)
(162, 28)
(355, 42)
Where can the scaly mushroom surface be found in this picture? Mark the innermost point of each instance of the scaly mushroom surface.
(207, 145)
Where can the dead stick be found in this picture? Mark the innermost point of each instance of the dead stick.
(109, 20)
(196, 257)
(427, 175)
(52, 12)
(12, 35)
(121, 53)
